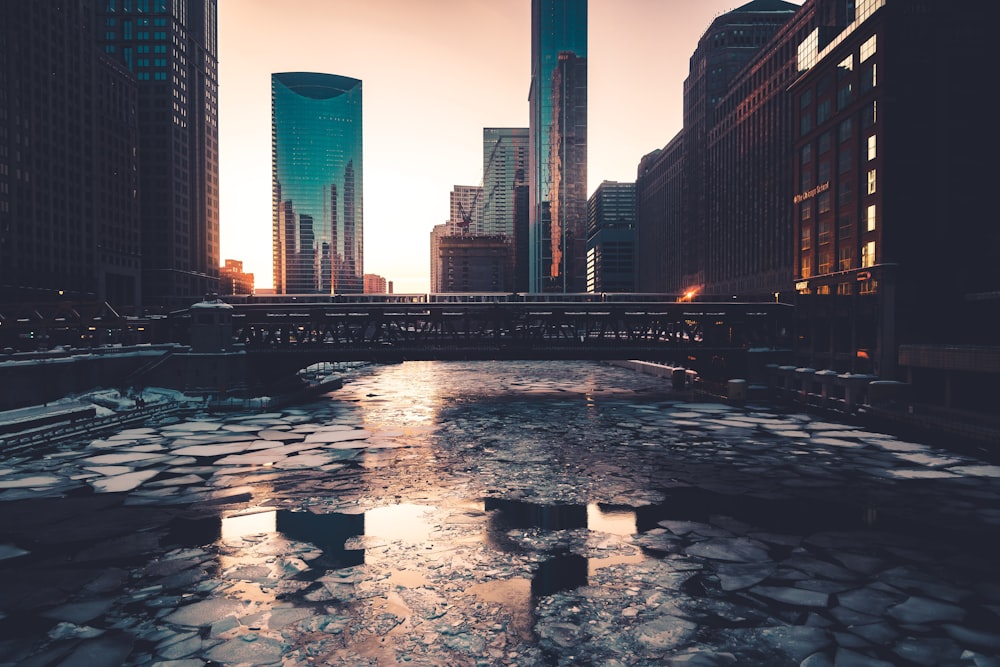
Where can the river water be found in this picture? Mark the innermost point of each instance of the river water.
(499, 514)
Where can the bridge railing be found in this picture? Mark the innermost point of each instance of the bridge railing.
(550, 325)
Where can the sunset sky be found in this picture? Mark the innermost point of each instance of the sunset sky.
(435, 73)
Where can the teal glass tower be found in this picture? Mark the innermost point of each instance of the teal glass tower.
(557, 152)
(316, 183)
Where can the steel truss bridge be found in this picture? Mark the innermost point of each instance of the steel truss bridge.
(651, 331)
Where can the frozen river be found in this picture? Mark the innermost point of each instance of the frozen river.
(499, 514)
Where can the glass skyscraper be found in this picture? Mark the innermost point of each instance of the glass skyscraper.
(316, 183)
(557, 223)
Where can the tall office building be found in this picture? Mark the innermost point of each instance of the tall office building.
(557, 175)
(466, 208)
(611, 238)
(69, 208)
(895, 241)
(316, 181)
(171, 48)
(730, 42)
(505, 167)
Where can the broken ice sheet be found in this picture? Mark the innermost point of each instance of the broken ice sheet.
(120, 483)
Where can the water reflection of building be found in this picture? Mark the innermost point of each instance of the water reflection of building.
(317, 183)
(557, 156)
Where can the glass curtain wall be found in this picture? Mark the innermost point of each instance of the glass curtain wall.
(316, 154)
(558, 146)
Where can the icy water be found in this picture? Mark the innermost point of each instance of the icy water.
(499, 514)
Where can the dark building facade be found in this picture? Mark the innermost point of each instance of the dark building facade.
(557, 100)
(611, 238)
(659, 192)
(895, 239)
(171, 49)
(472, 264)
(748, 222)
(233, 280)
(317, 183)
(69, 207)
(730, 42)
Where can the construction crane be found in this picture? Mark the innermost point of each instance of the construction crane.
(466, 220)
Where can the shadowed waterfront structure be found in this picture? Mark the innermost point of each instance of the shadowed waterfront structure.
(317, 177)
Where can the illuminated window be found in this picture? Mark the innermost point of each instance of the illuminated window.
(806, 238)
(868, 255)
(871, 147)
(846, 259)
(806, 266)
(871, 218)
(825, 261)
(871, 181)
(824, 232)
(845, 66)
(844, 289)
(807, 211)
(868, 48)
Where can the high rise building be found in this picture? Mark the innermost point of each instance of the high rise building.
(557, 156)
(316, 180)
(171, 49)
(69, 208)
(728, 44)
(747, 223)
(465, 206)
(895, 241)
(659, 193)
(611, 238)
(472, 264)
(505, 167)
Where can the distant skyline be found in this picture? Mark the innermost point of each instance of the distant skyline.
(434, 74)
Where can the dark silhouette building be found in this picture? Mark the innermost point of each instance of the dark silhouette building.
(688, 192)
(611, 238)
(69, 168)
(171, 50)
(472, 264)
(730, 42)
(659, 192)
(896, 244)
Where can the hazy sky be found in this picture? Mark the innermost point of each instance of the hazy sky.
(435, 73)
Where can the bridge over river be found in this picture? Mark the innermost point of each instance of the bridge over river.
(508, 330)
